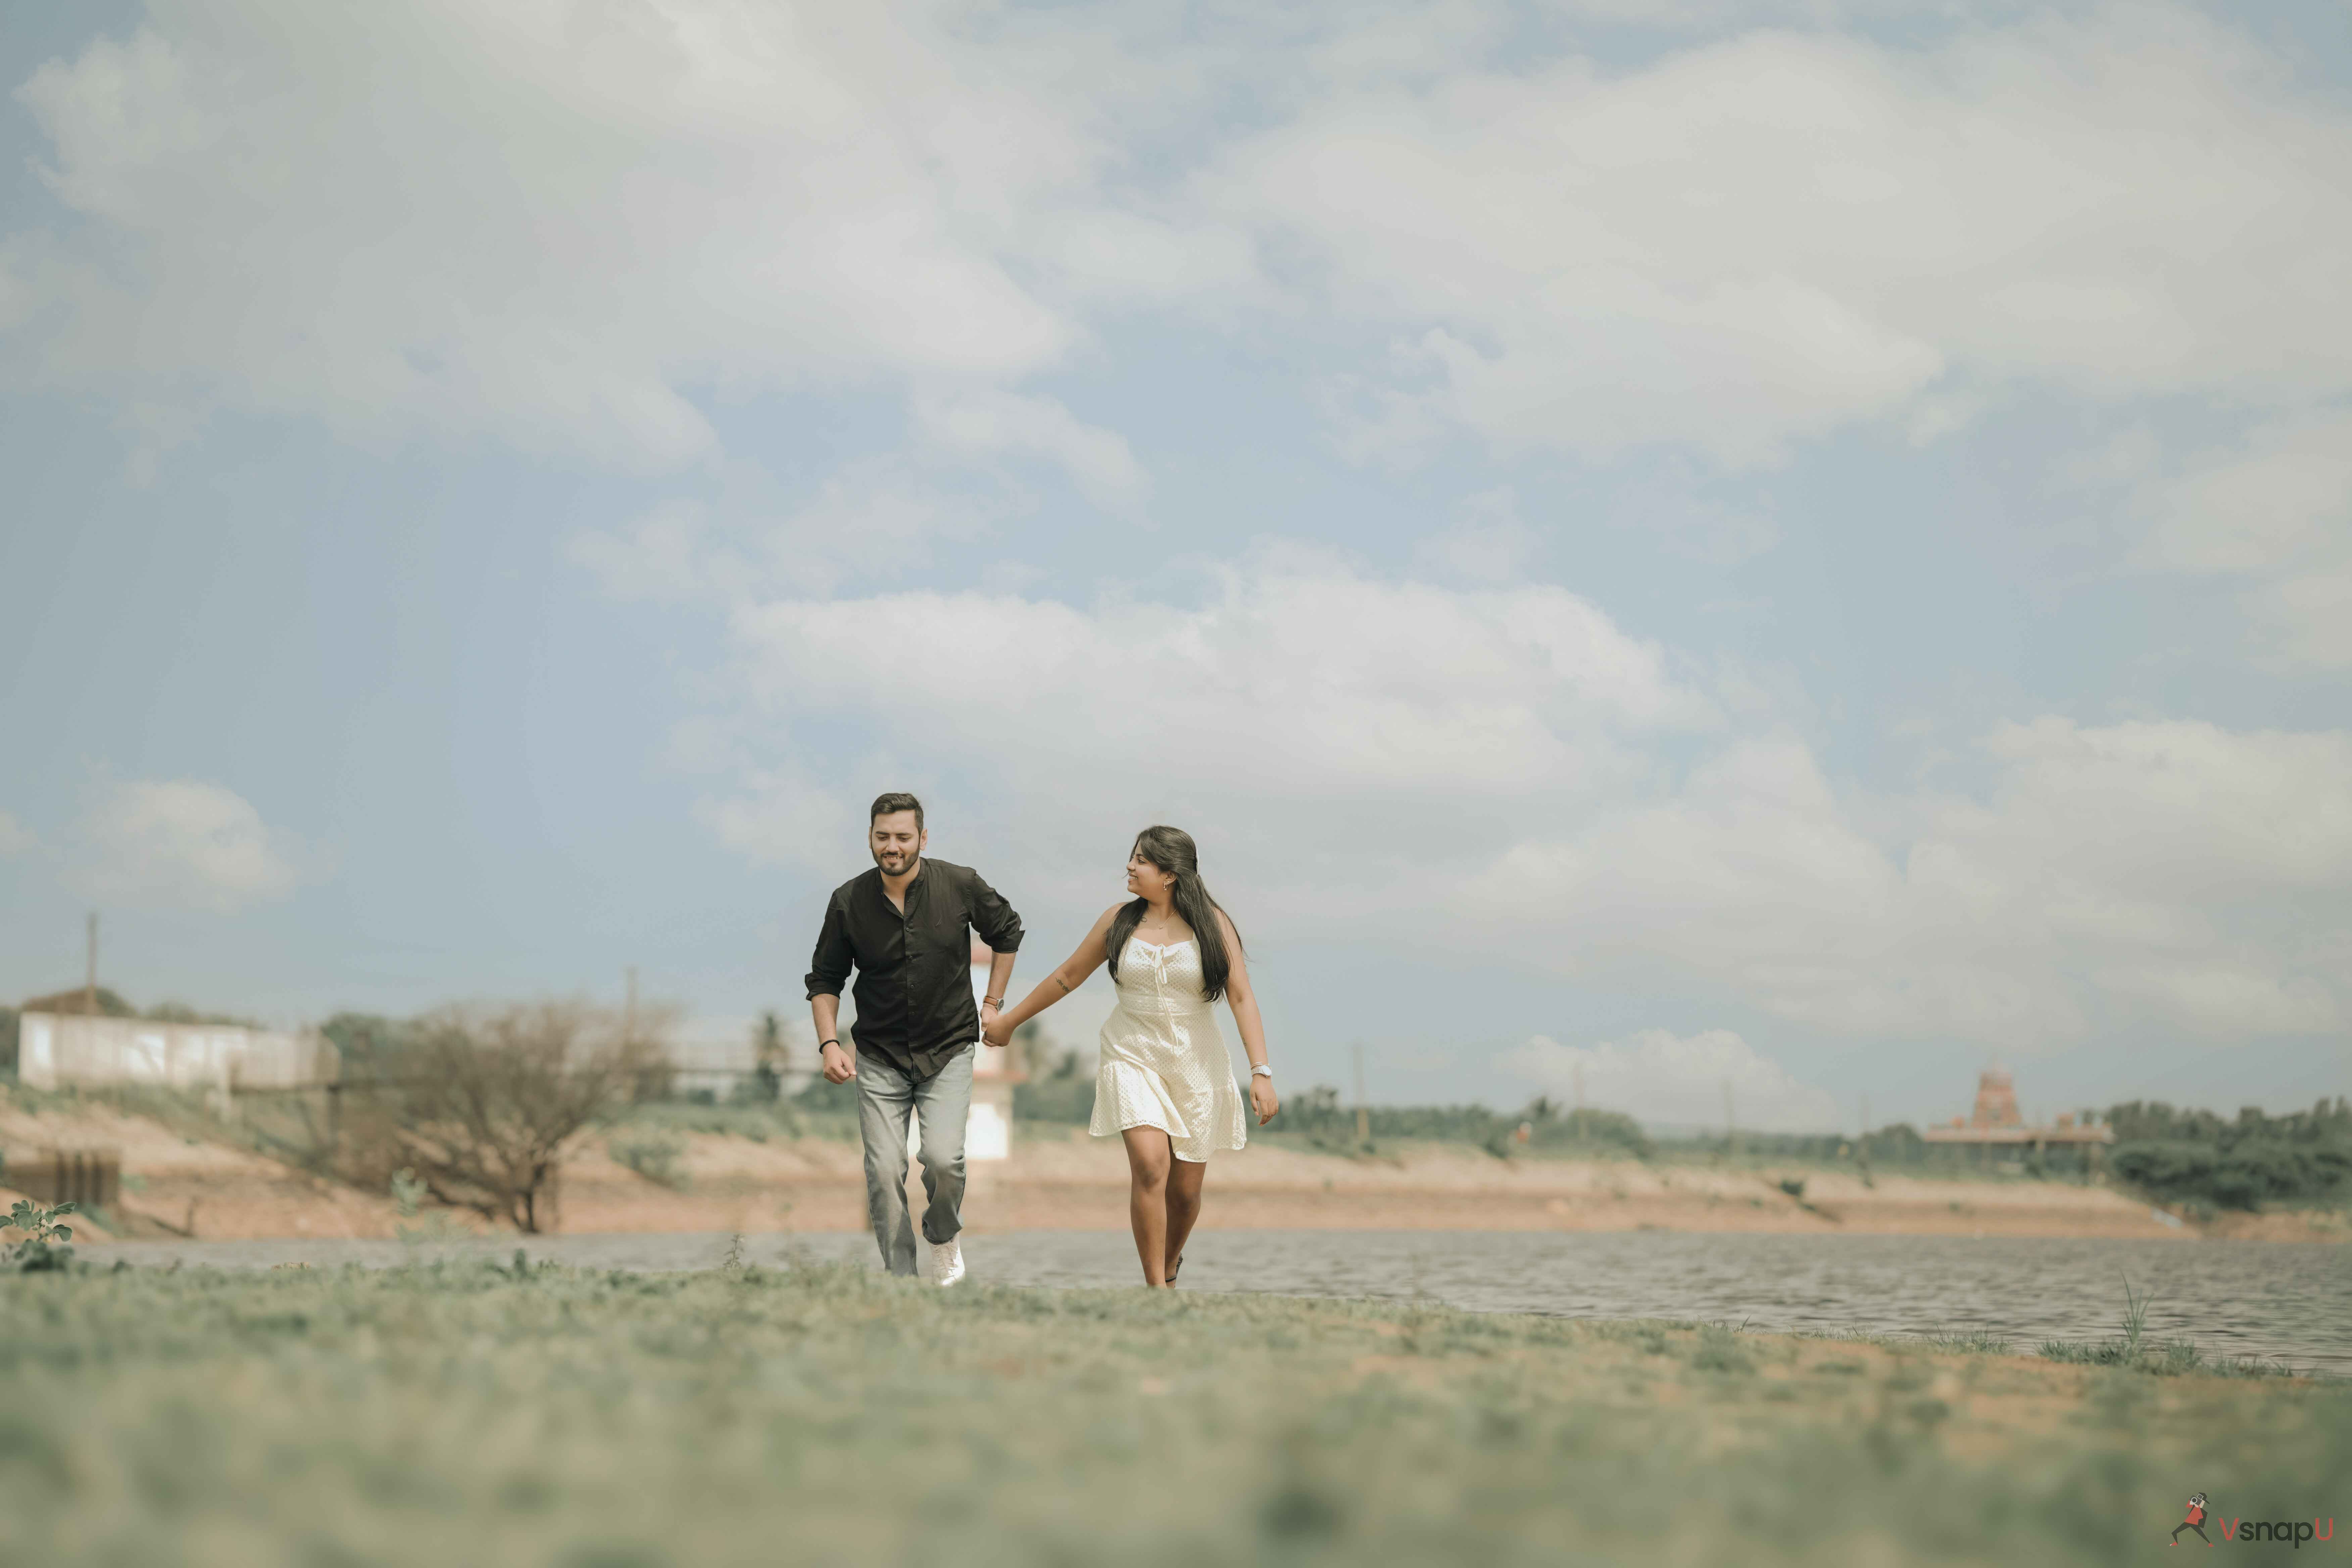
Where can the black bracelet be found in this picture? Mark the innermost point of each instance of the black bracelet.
(822, 1044)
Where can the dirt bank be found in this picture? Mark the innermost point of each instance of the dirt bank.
(1076, 1183)
(175, 1183)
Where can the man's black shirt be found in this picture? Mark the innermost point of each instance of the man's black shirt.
(915, 1006)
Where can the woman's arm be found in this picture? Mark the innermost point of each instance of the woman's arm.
(1244, 1002)
(1073, 972)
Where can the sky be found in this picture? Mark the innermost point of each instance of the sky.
(1780, 551)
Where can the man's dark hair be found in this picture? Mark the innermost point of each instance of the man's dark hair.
(897, 800)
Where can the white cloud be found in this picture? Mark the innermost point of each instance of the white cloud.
(2283, 492)
(15, 837)
(1758, 240)
(548, 226)
(1298, 716)
(184, 844)
(1486, 542)
(1321, 676)
(988, 423)
(1654, 1076)
(2170, 872)
(780, 818)
(2274, 508)
(1512, 773)
(872, 520)
(2308, 617)
(566, 229)
(661, 556)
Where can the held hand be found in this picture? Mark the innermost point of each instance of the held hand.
(1262, 1099)
(836, 1065)
(991, 1028)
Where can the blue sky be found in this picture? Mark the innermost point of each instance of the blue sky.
(1803, 546)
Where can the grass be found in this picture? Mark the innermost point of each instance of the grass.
(519, 1415)
(2168, 1358)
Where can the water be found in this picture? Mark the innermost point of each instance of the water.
(2270, 1300)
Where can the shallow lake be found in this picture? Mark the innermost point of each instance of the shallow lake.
(2232, 1299)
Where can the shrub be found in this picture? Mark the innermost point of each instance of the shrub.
(45, 1244)
(479, 1103)
(2242, 1177)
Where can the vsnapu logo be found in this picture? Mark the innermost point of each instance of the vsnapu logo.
(2291, 1531)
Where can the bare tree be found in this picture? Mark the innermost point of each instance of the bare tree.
(487, 1099)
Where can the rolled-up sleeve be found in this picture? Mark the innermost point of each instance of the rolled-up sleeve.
(829, 966)
(992, 917)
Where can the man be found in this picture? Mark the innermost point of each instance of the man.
(906, 926)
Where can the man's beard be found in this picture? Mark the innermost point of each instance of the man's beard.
(904, 858)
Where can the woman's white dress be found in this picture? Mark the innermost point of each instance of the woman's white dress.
(1164, 1064)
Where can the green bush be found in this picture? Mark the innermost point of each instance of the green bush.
(1317, 1113)
(2245, 1176)
(2198, 1157)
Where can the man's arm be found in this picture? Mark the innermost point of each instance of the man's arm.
(825, 1012)
(828, 969)
(1000, 928)
(1000, 976)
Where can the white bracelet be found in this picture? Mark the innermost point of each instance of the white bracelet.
(1262, 1069)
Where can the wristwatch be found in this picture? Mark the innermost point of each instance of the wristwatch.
(1262, 1069)
(995, 1002)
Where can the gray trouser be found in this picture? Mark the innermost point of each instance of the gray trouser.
(942, 1102)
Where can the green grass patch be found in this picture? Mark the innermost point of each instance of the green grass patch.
(521, 1415)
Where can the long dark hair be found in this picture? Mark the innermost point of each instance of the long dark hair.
(1172, 851)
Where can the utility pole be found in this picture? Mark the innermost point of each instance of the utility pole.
(1363, 1112)
(1730, 1126)
(90, 972)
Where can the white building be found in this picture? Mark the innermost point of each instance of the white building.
(55, 1049)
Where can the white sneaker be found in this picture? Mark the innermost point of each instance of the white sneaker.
(947, 1263)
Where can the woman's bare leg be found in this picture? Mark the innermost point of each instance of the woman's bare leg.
(1184, 1177)
(1148, 1159)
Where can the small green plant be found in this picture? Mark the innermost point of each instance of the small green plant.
(1719, 1350)
(2135, 1351)
(46, 1244)
(408, 1192)
(1794, 1186)
(2134, 1319)
(408, 1196)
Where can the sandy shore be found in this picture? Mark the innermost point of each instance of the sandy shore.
(177, 1186)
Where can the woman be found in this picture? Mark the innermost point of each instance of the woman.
(1166, 1085)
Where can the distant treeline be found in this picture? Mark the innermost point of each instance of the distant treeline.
(2196, 1156)
(2175, 1155)
(1064, 1094)
(2193, 1157)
